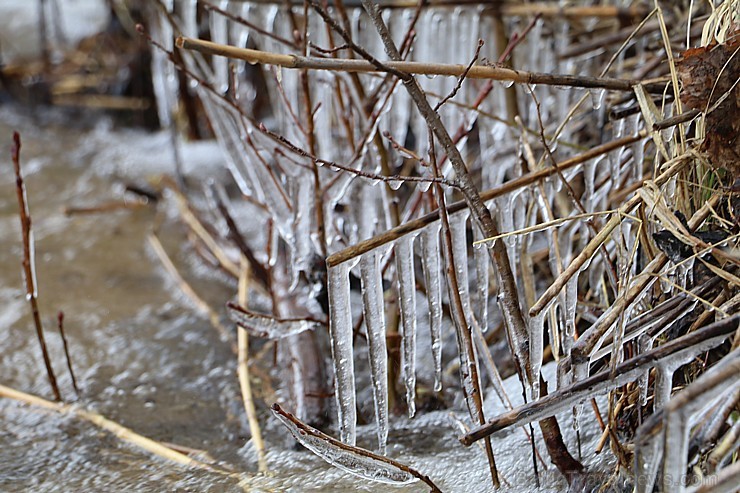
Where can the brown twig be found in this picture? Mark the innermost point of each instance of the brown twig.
(468, 371)
(462, 77)
(60, 324)
(364, 174)
(29, 267)
(398, 67)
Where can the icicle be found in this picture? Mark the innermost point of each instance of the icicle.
(460, 254)
(675, 450)
(220, 34)
(372, 303)
(589, 177)
(536, 337)
(340, 327)
(163, 71)
(356, 461)
(663, 384)
(269, 327)
(571, 302)
(615, 158)
(597, 98)
(298, 387)
(367, 215)
(647, 463)
(430, 265)
(302, 227)
(644, 343)
(482, 264)
(189, 16)
(506, 225)
(466, 375)
(404, 251)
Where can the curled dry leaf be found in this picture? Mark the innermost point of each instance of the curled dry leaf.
(709, 76)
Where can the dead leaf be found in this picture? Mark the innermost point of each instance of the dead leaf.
(709, 77)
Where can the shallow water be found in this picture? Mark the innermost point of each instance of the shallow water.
(141, 356)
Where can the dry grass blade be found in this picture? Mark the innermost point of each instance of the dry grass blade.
(591, 338)
(201, 305)
(123, 433)
(200, 230)
(245, 383)
(674, 166)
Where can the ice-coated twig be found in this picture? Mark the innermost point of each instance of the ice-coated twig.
(683, 348)
(269, 327)
(354, 460)
(465, 344)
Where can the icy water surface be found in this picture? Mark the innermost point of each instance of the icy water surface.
(144, 360)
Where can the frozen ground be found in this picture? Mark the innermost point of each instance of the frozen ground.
(144, 360)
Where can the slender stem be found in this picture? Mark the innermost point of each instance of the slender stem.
(29, 267)
(60, 324)
(201, 305)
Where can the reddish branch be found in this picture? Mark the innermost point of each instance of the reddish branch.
(28, 264)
